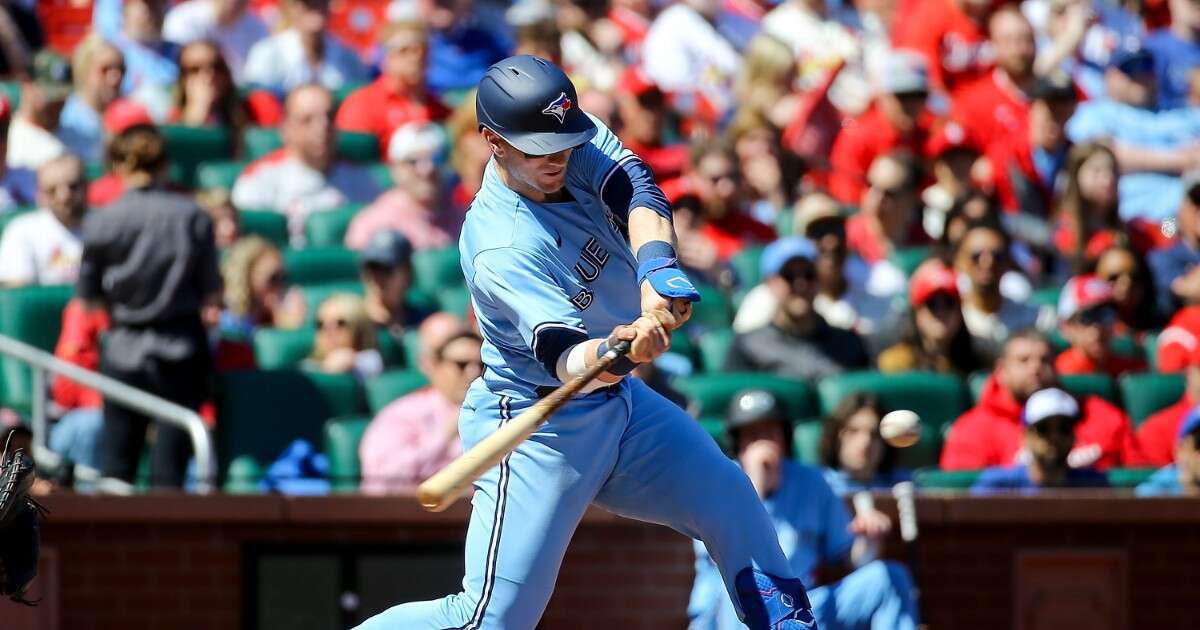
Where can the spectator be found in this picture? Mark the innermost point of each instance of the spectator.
(996, 105)
(387, 275)
(981, 259)
(205, 93)
(957, 172)
(890, 216)
(228, 23)
(934, 338)
(688, 59)
(642, 124)
(225, 216)
(990, 434)
(417, 434)
(950, 35)
(345, 341)
(1050, 418)
(798, 343)
(1133, 292)
(766, 83)
(98, 69)
(417, 205)
(302, 53)
(1081, 38)
(469, 152)
(1152, 147)
(852, 294)
(43, 247)
(723, 226)
(461, 46)
(1179, 339)
(1176, 51)
(813, 37)
(150, 68)
(833, 553)
(897, 121)
(768, 171)
(123, 117)
(31, 135)
(1026, 165)
(1177, 267)
(305, 175)
(1157, 435)
(1180, 478)
(149, 260)
(77, 432)
(1087, 313)
(853, 453)
(256, 290)
(398, 97)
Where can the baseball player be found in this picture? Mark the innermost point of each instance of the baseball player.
(555, 282)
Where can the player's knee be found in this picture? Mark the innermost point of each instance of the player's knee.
(769, 602)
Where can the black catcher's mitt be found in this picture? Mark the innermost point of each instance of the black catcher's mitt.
(18, 526)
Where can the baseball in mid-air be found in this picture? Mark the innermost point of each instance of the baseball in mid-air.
(900, 428)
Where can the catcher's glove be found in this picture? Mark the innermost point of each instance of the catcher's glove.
(18, 526)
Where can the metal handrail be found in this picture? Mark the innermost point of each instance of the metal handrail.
(161, 409)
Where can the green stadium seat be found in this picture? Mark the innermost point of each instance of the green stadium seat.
(328, 228)
(714, 310)
(1148, 392)
(241, 477)
(454, 300)
(268, 224)
(1125, 345)
(434, 269)
(221, 174)
(714, 347)
(262, 411)
(937, 398)
(342, 437)
(1082, 385)
(7, 217)
(412, 348)
(321, 265)
(1046, 296)
(746, 265)
(187, 147)
(32, 315)
(785, 221)
(259, 141)
(909, 258)
(960, 480)
(683, 346)
(1150, 348)
(1129, 477)
(351, 145)
(11, 90)
(710, 394)
(277, 348)
(389, 386)
(382, 174)
(340, 94)
(806, 442)
(715, 427)
(94, 170)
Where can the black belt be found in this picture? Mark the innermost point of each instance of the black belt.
(546, 390)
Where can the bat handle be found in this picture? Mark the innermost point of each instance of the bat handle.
(617, 351)
(906, 509)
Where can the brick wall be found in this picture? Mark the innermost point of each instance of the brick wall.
(176, 562)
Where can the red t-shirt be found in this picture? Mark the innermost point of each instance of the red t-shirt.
(79, 344)
(1074, 361)
(376, 109)
(956, 46)
(859, 143)
(991, 108)
(1157, 434)
(666, 161)
(1179, 341)
(862, 241)
(733, 232)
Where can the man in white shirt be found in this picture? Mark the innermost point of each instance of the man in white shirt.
(304, 53)
(44, 247)
(683, 53)
(305, 175)
(31, 139)
(226, 22)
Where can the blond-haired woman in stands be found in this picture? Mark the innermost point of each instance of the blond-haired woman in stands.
(345, 338)
(256, 289)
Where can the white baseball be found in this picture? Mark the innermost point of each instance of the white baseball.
(900, 428)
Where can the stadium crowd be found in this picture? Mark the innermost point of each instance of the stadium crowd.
(1002, 196)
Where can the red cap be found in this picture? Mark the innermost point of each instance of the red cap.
(636, 82)
(946, 137)
(1081, 293)
(933, 276)
(125, 113)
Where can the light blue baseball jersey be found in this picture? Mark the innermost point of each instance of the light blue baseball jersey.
(545, 276)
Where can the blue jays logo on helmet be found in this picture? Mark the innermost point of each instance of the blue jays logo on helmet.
(558, 107)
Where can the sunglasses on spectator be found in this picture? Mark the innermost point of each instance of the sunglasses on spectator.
(942, 304)
(336, 323)
(278, 279)
(1056, 426)
(197, 68)
(1097, 316)
(1117, 275)
(893, 192)
(462, 365)
(793, 272)
(822, 229)
(998, 256)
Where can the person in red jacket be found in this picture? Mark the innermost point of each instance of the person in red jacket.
(898, 120)
(990, 433)
(1157, 435)
(996, 105)
(950, 34)
(1026, 165)
(1087, 312)
(1180, 340)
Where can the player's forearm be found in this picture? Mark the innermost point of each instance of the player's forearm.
(646, 225)
(580, 358)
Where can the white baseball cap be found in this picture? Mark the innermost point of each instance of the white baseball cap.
(1048, 403)
(415, 139)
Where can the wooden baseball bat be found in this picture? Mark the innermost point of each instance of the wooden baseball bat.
(444, 488)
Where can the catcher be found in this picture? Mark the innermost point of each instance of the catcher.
(18, 524)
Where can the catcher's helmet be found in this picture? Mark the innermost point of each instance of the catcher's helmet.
(532, 104)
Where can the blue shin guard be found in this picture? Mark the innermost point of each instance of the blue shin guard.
(772, 603)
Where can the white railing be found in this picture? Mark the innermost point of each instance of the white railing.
(162, 410)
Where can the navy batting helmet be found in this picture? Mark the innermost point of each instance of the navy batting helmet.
(532, 104)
